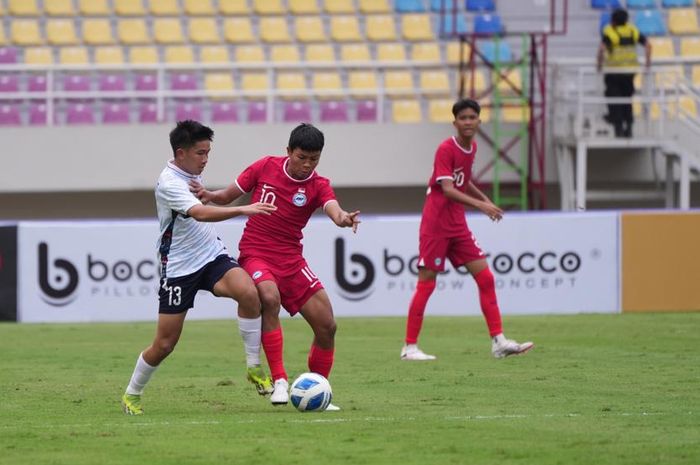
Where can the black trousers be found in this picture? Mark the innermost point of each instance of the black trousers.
(620, 114)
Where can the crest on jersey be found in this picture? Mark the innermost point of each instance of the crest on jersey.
(257, 274)
(438, 261)
(299, 198)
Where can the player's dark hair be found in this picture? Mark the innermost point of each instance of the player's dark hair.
(619, 17)
(187, 133)
(306, 137)
(464, 104)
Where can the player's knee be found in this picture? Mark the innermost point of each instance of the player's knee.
(270, 303)
(249, 300)
(164, 347)
(326, 330)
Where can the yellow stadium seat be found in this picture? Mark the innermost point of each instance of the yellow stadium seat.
(380, 28)
(3, 40)
(374, 6)
(689, 106)
(452, 52)
(199, 7)
(338, 6)
(97, 31)
(274, 29)
(61, 32)
(25, 32)
(164, 7)
(416, 27)
(391, 52)
(479, 82)
(94, 8)
(168, 31)
(485, 115)
(214, 54)
(514, 77)
(255, 82)
(23, 8)
(204, 31)
(362, 84)
(667, 78)
(355, 52)
(515, 114)
(695, 76)
(179, 54)
(319, 53)
(398, 83)
(268, 7)
(690, 47)
(129, 7)
(327, 84)
(143, 55)
(406, 111)
(38, 55)
(284, 54)
(683, 21)
(309, 29)
(249, 54)
(434, 82)
(345, 29)
(661, 47)
(109, 56)
(217, 82)
(238, 30)
(59, 7)
(303, 7)
(234, 7)
(132, 31)
(291, 85)
(425, 52)
(73, 56)
(440, 110)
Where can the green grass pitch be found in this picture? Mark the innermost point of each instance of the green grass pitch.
(596, 389)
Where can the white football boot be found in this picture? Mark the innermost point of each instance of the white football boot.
(412, 352)
(280, 395)
(503, 347)
(332, 408)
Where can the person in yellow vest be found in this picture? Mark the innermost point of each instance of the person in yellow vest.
(618, 49)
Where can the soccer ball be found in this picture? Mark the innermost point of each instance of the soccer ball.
(311, 392)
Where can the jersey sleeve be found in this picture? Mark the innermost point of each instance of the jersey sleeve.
(177, 197)
(247, 180)
(325, 193)
(443, 168)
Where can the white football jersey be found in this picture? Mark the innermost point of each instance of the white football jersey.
(185, 245)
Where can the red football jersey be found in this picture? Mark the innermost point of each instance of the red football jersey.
(296, 200)
(443, 217)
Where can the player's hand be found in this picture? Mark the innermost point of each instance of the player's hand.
(200, 192)
(492, 211)
(350, 220)
(258, 208)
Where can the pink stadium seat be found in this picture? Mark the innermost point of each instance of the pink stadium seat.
(36, 83)
(8, 55)
(257, 112)
(37, 114)
(79, 113)
(296, 112)
(183, 81)
(112, 83)
(9, 83)
(367, 111)
(188, 110)
(334, 112)
(77, 83)
(148, 113)
(224, 112)
(9, 115)
(146, 82)
(115, 113)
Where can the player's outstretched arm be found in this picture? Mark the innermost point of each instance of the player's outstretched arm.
(210, 214)
(342, 218)
(482, 202)
(219, 197)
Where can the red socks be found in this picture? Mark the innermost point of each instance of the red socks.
(321, 360)
(416, 310)
(489, 304)
(273, 342)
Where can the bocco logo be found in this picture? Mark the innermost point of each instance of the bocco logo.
(362, 273)
(59, 284)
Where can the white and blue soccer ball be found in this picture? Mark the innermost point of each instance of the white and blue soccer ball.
(311, 392)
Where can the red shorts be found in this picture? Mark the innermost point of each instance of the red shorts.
(295, 280)
(460, 250)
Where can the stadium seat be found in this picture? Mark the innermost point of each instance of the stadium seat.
(425, 52)
(234, 7)
(452, 52)
(129, 8)
(183, 81)
(366, 111)
(133, 31)
(354, 52)
(398, 83)
(434, 83)
(61, 32)
(97, 31)
(345, 29)
(164, 7)
(650, 22)
(25, 32)
(255, 83)
(296, 112)
(409, 6)
(338, 6)
(406, 111)
(676, 3)
(515, 114)
(3, 39)
(38, 55)
(38, 114)
(669, 77)
(268, 7)
(116, 113)
(661, 47)
(204, 31)
(440, 110)
(292, 85)
(475, 5)
(641, 4)
(79, 113)
(452, 24)
(475, 79)
(94, 8)
(487, 24)
(284, 54)
(59, 7)
(8, 83)
(319, 53)
(143, 55)
(380, 28)
(214, 54)
(73, 56)
(188, 110)
(199, 7)
(224, 112)
(146, 83)
(238, 30)
(683, 21)
(309, 29)
(690, 47)
(374, 6)
(168, 31)
(333, 112)
(10, 115)
(606, 4)
(148, 112)
(416, 27)
(8, 55)
(394, 52)
(113, 82)
(489, 49)
(257, 112)
(23, 8)
(76, 83)
(303, 7)
(249, 54)
(274, 29)
(362, 84)
(218, 82)
(179, 54)
(513, 84)
(326, 85)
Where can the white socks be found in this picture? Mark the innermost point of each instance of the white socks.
(499, 338)
(142, 373)
(251, 332)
